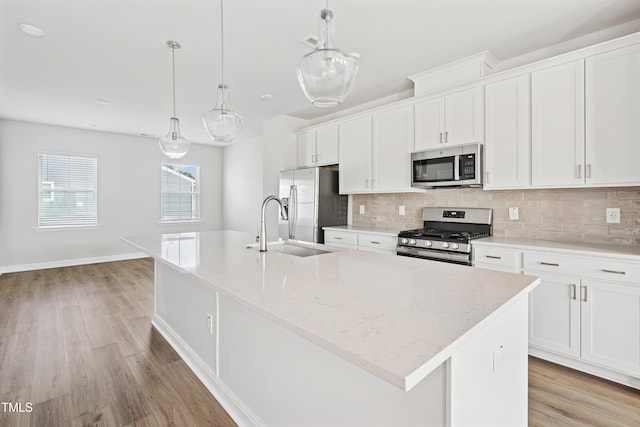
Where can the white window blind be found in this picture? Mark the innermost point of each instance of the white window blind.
(67, 190)
(180, 192)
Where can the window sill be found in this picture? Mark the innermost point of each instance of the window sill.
(66, 228)
(186, 221)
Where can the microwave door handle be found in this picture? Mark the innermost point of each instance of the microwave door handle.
(456, 168)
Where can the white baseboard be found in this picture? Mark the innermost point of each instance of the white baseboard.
(234, 406)
(70, 262)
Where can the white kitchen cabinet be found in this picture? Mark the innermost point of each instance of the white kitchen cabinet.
(612, 117)
(493, 258)
(375, 152)
(361, 239)
(392, 138)
(611, 325)
(451, 119)
(554, 314)
(557, 146)
(355, 155)
(317, 147)
(507, 144)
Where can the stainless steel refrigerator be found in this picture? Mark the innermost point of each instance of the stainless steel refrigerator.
(311, 198)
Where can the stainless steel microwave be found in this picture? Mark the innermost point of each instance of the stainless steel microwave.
(457, 166)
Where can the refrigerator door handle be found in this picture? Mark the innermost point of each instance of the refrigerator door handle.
(293, 211)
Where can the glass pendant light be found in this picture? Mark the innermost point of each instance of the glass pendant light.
(174, 144)
(327, 75)
(221, 122)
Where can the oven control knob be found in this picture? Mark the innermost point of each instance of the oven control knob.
(412, 241)
(428, 243)
(404, 241)
(445, 244)
(454, 246)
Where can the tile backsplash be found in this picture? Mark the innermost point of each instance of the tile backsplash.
(568, 215)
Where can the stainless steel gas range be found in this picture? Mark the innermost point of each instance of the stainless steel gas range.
(446, 234)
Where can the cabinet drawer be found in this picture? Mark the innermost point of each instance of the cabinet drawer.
(377, 241)
(588, 267)
(339, 237)
(498, 257)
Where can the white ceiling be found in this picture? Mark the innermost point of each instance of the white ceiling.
(116, 50)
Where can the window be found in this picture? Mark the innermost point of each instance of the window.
(180, 193)
(67, 191)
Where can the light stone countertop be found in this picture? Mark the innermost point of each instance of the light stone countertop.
(385, 231)
(631, 253)
(396, 317)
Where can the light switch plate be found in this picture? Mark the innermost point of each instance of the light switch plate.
(513, 214)
(401, 210)
(361, 209)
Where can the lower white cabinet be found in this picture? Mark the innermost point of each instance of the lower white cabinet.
(362, 240)
(585, 313)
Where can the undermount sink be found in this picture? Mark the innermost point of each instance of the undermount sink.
(291, 249)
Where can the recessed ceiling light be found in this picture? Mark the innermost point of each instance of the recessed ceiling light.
(103, 101)
(267, 97)
(31, 30)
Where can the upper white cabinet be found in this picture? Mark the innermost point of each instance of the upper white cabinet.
(392, 137)
(451, 119)
(507, 141)
(318, 146)
(613, 117)
(375, 152)
(558, 125)
(355, 155)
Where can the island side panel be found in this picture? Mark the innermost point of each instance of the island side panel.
(489, 375)
(182, 308)
(285, 380)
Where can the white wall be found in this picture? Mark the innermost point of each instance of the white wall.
(128, 193)
(242, 185)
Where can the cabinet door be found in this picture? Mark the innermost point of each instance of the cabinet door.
(355, 156)
(327, 145)
(391, 150)
(429, 124)
(613, 117)
(554, 314)
(611, 325)
(557, 145)
(463, 117)
(306, 148)
(507, 142)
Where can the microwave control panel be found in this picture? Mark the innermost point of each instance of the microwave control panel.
(468, 166)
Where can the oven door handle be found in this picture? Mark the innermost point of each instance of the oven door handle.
(462, 257)
(456, 168)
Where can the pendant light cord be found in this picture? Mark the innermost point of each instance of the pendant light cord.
(173, 64)
(222, 41)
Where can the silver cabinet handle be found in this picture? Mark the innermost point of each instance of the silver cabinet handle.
(338, 238)
(374, 242)
(487, 176)
(441, 140)
(493, 257)
(317, 158)
(573, 292)
(584, 294)
(614, 271)
(446, 137)
(579, 171)
(589, 171)
(366, 183)
(551, 264)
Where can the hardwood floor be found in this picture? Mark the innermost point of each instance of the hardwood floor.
(560, 396)
(77, 344)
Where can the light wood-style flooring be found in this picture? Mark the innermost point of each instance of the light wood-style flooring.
(78, 345)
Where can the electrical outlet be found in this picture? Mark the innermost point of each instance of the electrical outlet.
(613, 215)
(401, 210)
(210, 323)
(361, 209)
(513, 214)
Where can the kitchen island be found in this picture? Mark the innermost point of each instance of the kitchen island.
(345, 337)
